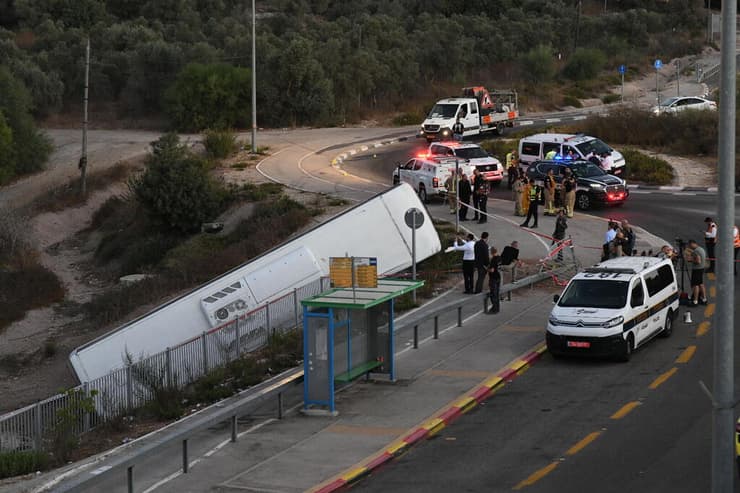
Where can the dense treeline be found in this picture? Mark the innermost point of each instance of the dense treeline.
(320, 61)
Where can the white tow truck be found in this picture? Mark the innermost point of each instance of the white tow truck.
(479, 111)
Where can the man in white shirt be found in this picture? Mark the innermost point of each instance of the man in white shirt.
(710, 240)
(607, 163)
(468, 264)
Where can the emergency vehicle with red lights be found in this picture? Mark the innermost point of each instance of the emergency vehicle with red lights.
(428, 175)
(478, 110)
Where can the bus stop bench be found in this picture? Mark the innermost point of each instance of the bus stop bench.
(357, 371)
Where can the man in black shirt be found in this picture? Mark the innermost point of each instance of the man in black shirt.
(510, 258)
(481, 260)
(464, 192)
(480, 195)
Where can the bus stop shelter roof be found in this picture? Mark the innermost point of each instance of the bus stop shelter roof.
(363, 298)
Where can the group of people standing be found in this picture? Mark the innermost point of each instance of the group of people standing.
(480, 260)
(475, 194)
(710, 241)
(619, 240)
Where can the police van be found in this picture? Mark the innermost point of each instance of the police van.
(428, 176)
(614, 307)
(536, 148)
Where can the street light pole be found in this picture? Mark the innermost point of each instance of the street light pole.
(254, 78)
(83, 157)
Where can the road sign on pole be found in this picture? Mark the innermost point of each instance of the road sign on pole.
(414, 219)
(658, 64)
(622, 70)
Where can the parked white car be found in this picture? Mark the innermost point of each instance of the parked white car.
(676, 104)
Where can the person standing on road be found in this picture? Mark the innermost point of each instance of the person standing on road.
(510, 259)
(696, 257)
(569, 187)
(550, 193)
(526, 187)
(561, 224)
(468, 261)
(464, 191)
(629, 237)
(736, 248)
(494, 281)
(457, 130)
(518, 192)
(535, 195)
(451, 185)
(480, 195)
(710, 240)
(512, 167)
(611, 233)
(481, 260)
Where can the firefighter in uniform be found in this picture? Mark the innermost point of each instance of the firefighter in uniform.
(569, 188)
(550, 193)
(512, 167)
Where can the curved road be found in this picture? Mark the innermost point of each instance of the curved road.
(580, 425)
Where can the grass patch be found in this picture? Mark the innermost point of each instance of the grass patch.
(30, 286)
(572, 101)
(220, 144)
(611, 98)
(68, 194)
(22, 462)
(647, 169)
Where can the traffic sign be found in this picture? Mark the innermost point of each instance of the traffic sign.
(414, 218)
(658, 64)
(622, 69)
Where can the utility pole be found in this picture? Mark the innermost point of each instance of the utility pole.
(254, 78)
(723, 387)
(83, 158)
(578, 23)
(678, 78)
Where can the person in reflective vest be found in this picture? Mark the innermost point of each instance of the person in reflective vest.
(535, 195)
(736, 250)
(550, 193)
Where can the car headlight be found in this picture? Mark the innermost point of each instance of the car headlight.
(553, 321)
(445, 131)
(613, 322)
(596, 186)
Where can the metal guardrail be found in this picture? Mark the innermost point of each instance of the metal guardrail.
(182, 430)
(130, 387)
(249, 399)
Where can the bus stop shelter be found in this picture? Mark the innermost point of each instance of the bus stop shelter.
(348, 332)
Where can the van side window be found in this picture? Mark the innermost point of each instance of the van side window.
(531, 148)
(658, 280)
(417, 165)
(638, 295)
(437, 149)
(409, 164)
(473, 108)
(549, 146)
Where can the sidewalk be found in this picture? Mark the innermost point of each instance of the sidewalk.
(436, 383)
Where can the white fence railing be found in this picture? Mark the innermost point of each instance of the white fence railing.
(128, 388)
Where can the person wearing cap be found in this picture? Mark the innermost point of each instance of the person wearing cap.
(710, 240)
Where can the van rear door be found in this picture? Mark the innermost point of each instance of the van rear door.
(636, 316)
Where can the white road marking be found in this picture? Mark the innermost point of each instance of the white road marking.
(215, 449)
(552, 120)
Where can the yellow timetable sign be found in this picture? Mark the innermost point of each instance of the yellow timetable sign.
(365, 272)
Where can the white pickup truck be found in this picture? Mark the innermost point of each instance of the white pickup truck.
(478, 110)
(428, 176)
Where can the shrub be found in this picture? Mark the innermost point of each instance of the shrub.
(610, 98)
(22, 462)
(584, 63)
(538, 64)
(209, 96)
(572, 101)
(65, 436)
(647, 169)
(175, 188)
(31, 286)
(220, 144)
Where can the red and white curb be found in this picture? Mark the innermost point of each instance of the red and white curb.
(338, 160)
(433, 425)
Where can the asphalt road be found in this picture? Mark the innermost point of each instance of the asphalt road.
(572, 425)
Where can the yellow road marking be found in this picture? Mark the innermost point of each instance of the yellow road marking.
(703, 328)
(492, 382)
(709, 310)
(582, 444)
(537, 475)
(625, 410)
(713, 291)
(352, 474)
(686, 355)
(662, 378)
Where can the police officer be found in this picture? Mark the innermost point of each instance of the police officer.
(569, 187)
(550, 193)
(535, 195)
(480, 195)
(457, 130)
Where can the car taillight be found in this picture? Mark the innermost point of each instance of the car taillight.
(435, 182)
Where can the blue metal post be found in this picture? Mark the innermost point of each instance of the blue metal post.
(330, 343)
(305, 357)
(391, 348)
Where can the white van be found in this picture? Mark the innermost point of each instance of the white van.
(428, 176)
(614, 307)
(535, 148)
